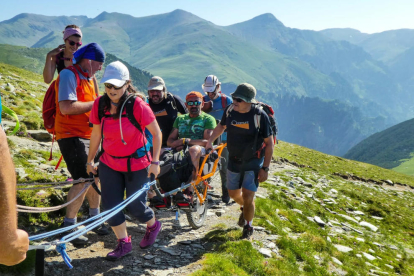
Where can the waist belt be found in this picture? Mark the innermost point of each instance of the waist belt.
(139, 153)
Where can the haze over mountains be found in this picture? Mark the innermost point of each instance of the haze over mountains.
(330, 89)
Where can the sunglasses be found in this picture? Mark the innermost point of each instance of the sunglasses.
(193, 103)
(237, 100)
(110, 86)
(73, 43)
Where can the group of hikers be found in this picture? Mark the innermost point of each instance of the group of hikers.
(126, 132)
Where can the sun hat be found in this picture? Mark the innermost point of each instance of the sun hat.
(246, 92)
(116, 73)
(92, 51)
(210, 83)
(156, 83)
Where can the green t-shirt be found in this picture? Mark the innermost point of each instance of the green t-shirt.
(193, 128)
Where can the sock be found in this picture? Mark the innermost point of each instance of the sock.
(154, 226)
(93, 211)
(69, 221)
(126, 239)
(248, 223)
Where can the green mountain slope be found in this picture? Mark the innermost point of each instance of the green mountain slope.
(368, 80)
(388, 148)
(347, 34)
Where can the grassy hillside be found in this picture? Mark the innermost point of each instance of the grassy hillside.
(298, 245)
(389, 148)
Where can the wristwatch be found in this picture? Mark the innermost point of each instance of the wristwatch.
(155, 162)
(266, 169)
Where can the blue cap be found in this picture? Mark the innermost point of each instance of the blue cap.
(92, 51)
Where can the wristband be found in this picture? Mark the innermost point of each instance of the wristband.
(155, 162)
(183, 141)
(90, 163)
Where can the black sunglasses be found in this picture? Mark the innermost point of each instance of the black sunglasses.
(110, 86)
(237, 100)
(196, 103)
(73, 43)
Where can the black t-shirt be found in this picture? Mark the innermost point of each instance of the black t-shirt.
(166, 112)
(241, 132)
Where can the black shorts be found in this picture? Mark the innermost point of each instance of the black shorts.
(75, 153)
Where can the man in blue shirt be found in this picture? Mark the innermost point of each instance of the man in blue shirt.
(215, 102)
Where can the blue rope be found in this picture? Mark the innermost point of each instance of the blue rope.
(101, 218)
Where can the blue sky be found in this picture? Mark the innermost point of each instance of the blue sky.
(368, 16)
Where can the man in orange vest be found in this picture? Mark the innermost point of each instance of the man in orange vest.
(75, 97)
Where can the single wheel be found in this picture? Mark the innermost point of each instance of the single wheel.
(197, 217)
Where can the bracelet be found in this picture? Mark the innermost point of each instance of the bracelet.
(90, 163)
(183, 141)
(155, 162)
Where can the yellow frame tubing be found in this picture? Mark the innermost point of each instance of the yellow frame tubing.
(203, 179)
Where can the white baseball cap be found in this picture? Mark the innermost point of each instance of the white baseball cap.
(116, 73)
(210, 83)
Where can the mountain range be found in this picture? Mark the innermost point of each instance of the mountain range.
(310, 76)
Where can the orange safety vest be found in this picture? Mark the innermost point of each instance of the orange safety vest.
(67, 126)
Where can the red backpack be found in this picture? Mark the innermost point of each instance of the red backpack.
(49, 109)
(49, 103)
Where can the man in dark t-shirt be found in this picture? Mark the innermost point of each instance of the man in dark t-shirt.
(165, 106)
(250, 145)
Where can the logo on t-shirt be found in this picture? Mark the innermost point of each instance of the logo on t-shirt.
(244, 125)
(160, 113)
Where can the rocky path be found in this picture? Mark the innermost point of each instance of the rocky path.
(176, 252)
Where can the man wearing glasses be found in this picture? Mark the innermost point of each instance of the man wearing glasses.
(217, 102)
(250, 145)
(165, 106)
(193, 129)
(76, 94)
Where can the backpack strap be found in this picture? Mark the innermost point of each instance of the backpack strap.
(223, 100)
(230, 109)
(129, 108)
(172, 99)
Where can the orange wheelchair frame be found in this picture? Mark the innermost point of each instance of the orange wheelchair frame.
(199, 192)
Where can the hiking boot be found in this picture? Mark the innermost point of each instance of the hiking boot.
(241, 218)
(247, 231)
(150, 235)
(101, 229)
(79, 241)
(123, 248)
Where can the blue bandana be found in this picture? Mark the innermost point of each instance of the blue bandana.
(92, 51)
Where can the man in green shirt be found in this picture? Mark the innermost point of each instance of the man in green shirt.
(193, 129)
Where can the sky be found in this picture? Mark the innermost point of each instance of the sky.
(368, 16)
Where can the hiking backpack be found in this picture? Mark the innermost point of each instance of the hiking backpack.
(129, 109)
(49, 102)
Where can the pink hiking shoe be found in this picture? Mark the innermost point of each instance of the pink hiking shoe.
(150, 235)
(123, 248)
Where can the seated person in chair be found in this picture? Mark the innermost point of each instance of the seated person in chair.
(193, 129)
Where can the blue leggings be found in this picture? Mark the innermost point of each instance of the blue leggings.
(113, 186)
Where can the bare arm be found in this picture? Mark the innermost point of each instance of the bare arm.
(154, 129)
(50, 64)
(216, 134)
(268, 157)
(201, 142)
(14, 243)
(94, 146)
(173, 140)
(75, 107)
